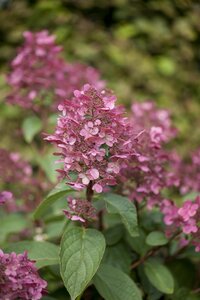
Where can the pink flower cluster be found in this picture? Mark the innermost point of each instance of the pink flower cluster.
(146, 174)
(16, 175)
(19, 278)
(185, 218)
(93, 138)
(39, 77)
(188, 172)
(5, 196)
(13, 168)
(156, 121)
(80, 210)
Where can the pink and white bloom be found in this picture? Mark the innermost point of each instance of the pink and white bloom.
(91, 134)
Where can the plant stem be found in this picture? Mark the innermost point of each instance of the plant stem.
(89, 195)
(89, 192)
(100, 215)
(151, 253)
(142, 259)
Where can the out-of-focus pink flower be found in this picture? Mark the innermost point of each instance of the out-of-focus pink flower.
(19, 278)
(16, 175)
(13, 168)
(146, 115)
(170, 212)
(156, 135)
(188, 172)
(188, 210)
(185, 219)
(5, 196)
(147, 173)
(40, 78)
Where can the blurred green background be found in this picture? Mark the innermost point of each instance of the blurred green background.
(144, 49)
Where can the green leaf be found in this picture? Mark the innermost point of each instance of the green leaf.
(184, 272)
(118, 256)
(30, 127)
(44, 253)
(54, 229)
(114, 234)
(57, 193)
(81, 253)
(156, 238)
(47, 163)
(159, 276)
(182, 293)
(113, 284)
(149, 220)
(149, 289)
(138, 243)
(191, 196)
(117, 204)
(12, 223)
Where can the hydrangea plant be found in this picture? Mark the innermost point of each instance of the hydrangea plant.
(121, 221)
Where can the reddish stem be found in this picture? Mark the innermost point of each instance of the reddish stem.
(100, 215)
(89, 192)
(151, 253)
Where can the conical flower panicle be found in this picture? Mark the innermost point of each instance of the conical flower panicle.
(93, 138)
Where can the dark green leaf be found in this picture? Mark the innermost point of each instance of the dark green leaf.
(57, 193)
(118, 256)
(183, 271)
(113, 284)
(114, 234)
(159, 276)
(138, 243)
(81, 253)
(117, 204)
(150, 290)
(156, 238)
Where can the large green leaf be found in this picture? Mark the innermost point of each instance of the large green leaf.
(159, 276)
(113, 284)
(30, 127)
(81, 253)
(122, 206)
(11, 224)
(156, 238)
(57, 193)
(44, 253)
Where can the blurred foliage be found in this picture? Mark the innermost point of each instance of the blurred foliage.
(144, 49)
